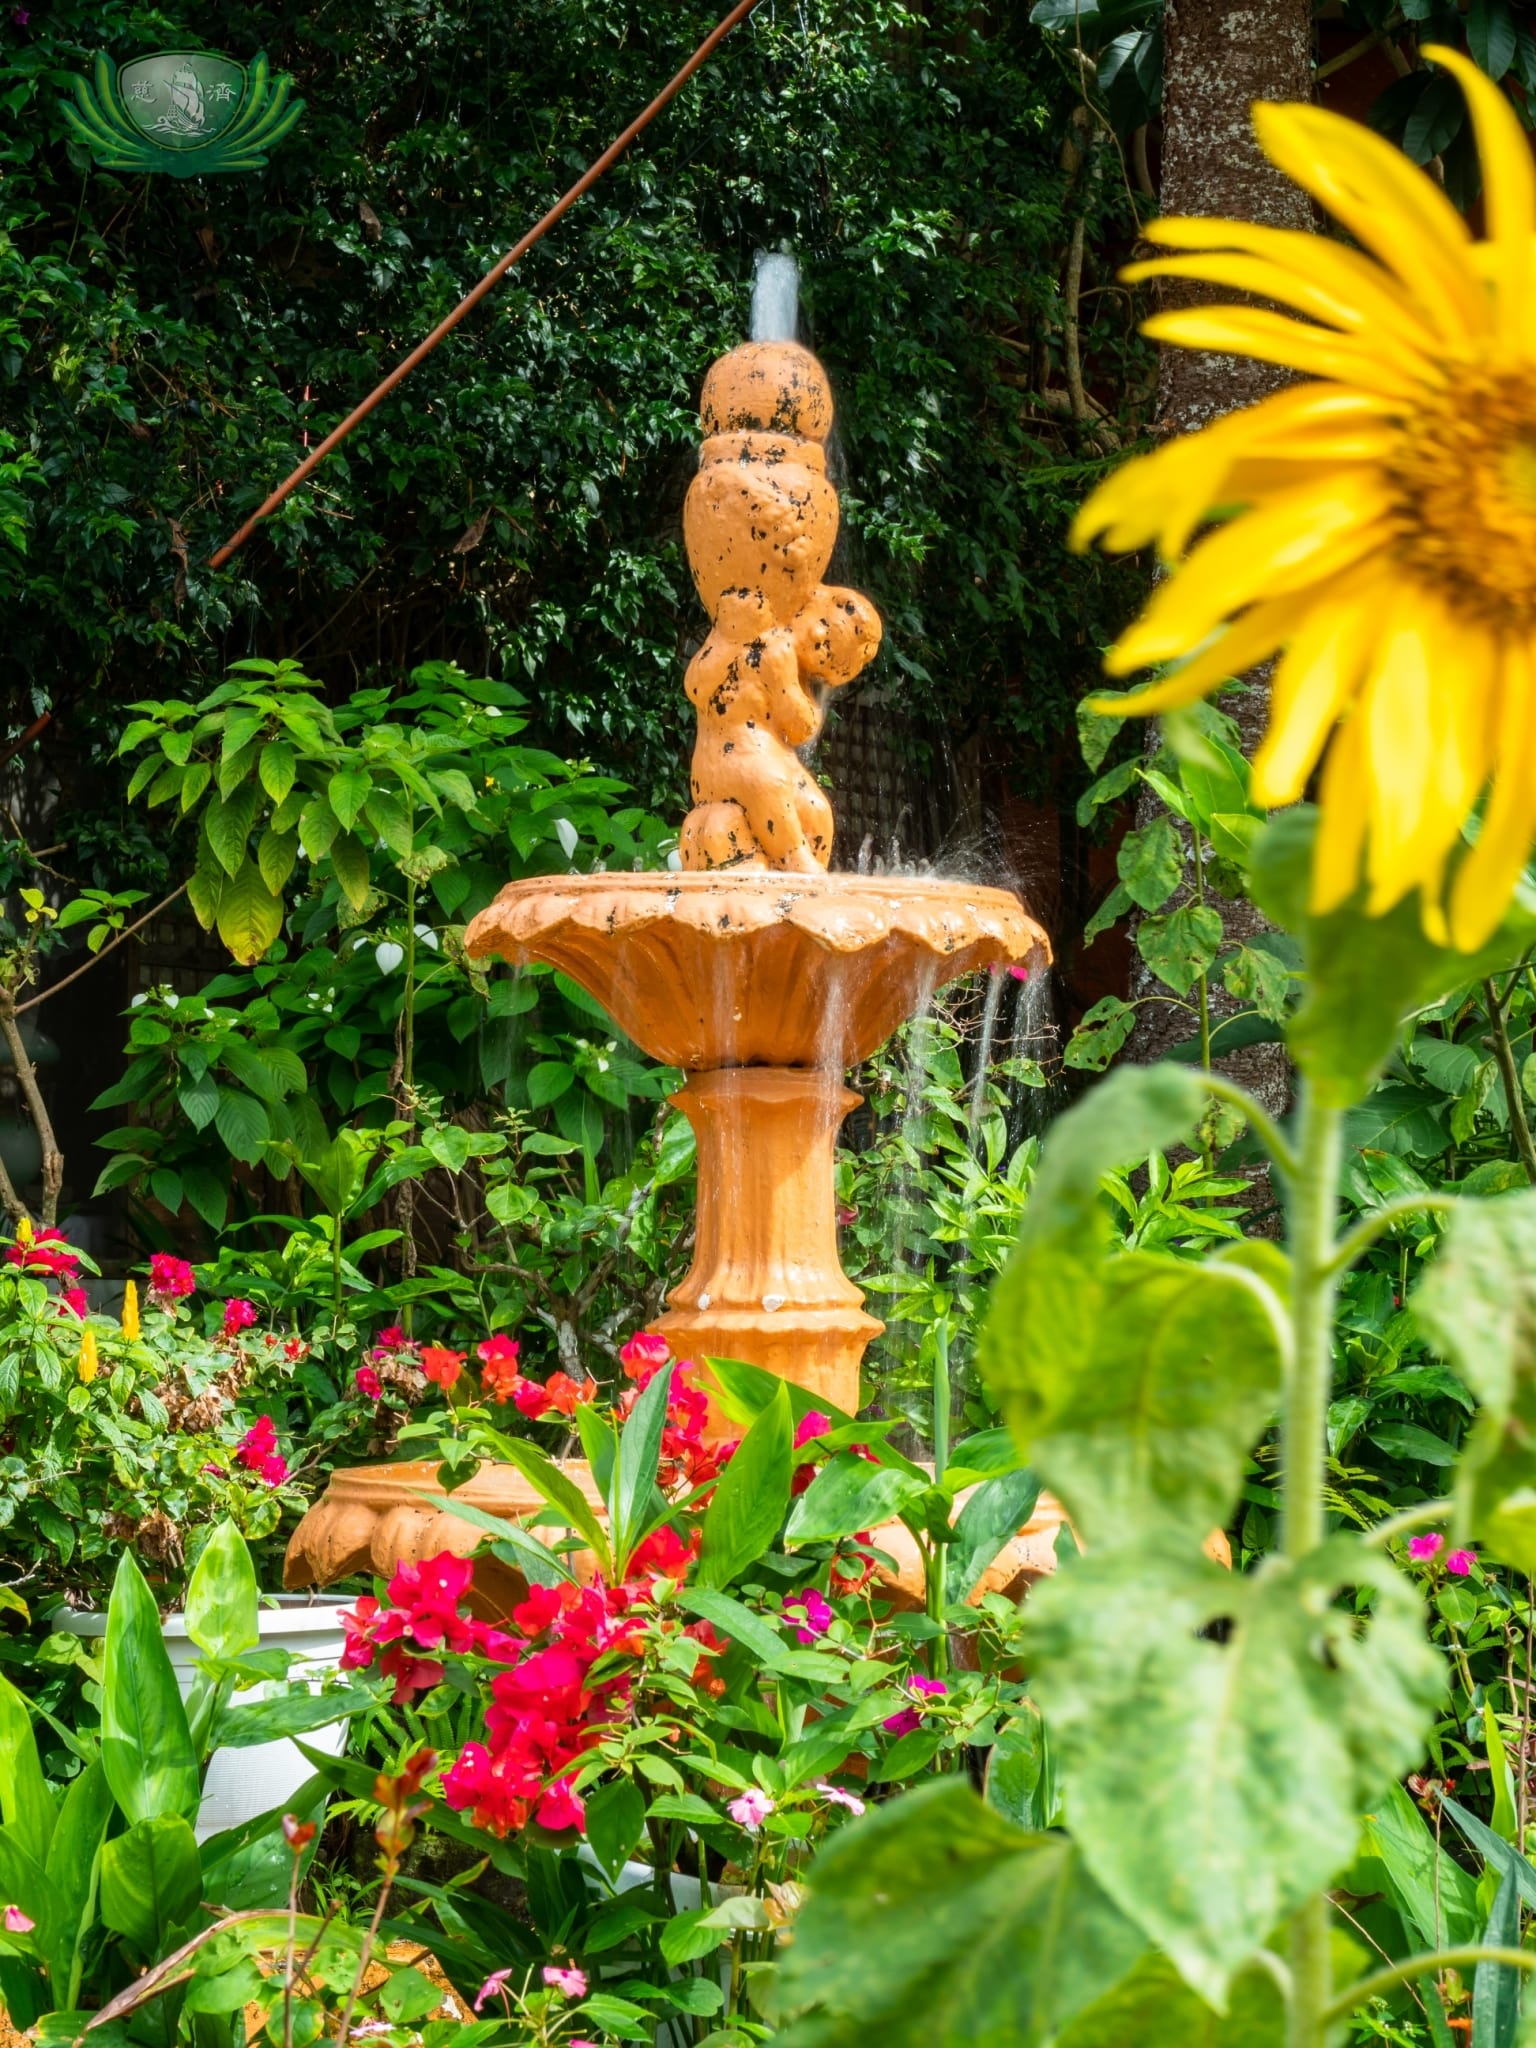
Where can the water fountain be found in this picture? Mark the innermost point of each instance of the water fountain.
(758, 972)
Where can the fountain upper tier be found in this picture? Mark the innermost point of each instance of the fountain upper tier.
(758, 968)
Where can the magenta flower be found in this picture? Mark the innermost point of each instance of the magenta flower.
(812, 1423)
(926, 1686)
(170, 1278)
(816, 1615)
(1460, 1563)
(903, 1723)
(750, 1810)
(569, 1983)
(16, 1922)
(238, 1315)
(493, 1987)
(1423, 1548)
(836, 1796)
(368, 1383)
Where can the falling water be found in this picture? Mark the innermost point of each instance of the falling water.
(775, 298)
(997, 982)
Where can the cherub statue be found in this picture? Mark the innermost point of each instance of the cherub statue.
(759, 523)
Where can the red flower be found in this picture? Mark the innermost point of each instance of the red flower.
(411, 1674)
(368, 1383)
(75, 1300)
(257, 1451)
(499, 1377)
(530, 1399)
(644, 1355)
(46, 1251)
(238, 1315)
(170, 1278)
(393, 1339)
(273, 1469)
(294, 1348)
(441, 1365)
(564, 1393)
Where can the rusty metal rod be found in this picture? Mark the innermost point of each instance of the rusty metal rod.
(492, 277)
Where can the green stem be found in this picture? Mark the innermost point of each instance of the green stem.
(1382, 1981)
(1304, 1443)
(1504, 1053)
(937, 1554)
(1203, 981)
(1422, 1515)
(1265, 1129)
(1369, 1228)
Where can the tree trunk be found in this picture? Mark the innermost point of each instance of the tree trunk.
(1220, 56)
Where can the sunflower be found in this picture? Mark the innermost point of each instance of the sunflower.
(1375, 525)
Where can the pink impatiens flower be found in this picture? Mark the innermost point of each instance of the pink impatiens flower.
(750, 1810)
(16, 1922)
(1422, 1548)
(904, 1722)
(569, 1983)
(1460, 1563)
(816, 1616)
(836, 1796)
(493, 1987)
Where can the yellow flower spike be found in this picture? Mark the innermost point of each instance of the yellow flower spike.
(1374, 525)
(90, 1361)
(24, 1230)
(130, 1312)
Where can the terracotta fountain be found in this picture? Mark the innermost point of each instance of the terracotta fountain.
(754, 969)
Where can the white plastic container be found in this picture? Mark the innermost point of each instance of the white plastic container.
(241, 1783)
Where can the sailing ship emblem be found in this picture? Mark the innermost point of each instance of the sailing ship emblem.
(188, 112)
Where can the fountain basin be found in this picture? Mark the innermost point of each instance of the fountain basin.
(743, 968)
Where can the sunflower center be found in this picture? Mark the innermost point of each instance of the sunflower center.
(1465, 481)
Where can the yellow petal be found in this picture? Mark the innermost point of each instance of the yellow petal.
(1314, 682)
(1342, 805)
(1486, 879)
(1245, 643)
(1272, 338)
(1509, 188)
(1279, 548)
(1390, 207)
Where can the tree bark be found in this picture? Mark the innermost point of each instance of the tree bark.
(1220, 56)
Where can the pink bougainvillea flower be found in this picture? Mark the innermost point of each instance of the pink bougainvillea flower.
(499, 1376)
(368, 1383)
(750, 1810)
(816, 1616)
(441, 1365)
(273, 1469)
(926, 1686)
(16, 1922)
(569, 1983)
(562, 1807)
(238, 1315)
(1422, 1548)
(259, 1442)
(170, 1278)
(812, 1424)
(902, 1723)
(1460, 1563)
(493, 1987)
(392, 1339)
(643, 1355)
(836, 1796)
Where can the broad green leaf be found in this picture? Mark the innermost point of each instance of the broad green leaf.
(1499, 1855)
(849, 1494)
(146, 1748)
(1151, 863)
(615, 1823)
(635, 1466)
(934, 1923)
(1100, 1035)
(1364, 974)
(200, 1100)
(151, 1879)
(349, 860)
(995, 1512)
(221, 1595)
(1477, 1306)
(1495, 1986)
(1136, 1111)
(227, 823)
(561, 1492)
(348, 791)
(409, 1995)
(1259, 978)
(1181, 946)
(1021, 1776)
(250, 916)
(26, 1804)
(1435, 1898)
(71, 1870)
(318, 826)
(276, 769)
(750, 1497)
(1153, 2008)
(734, 1619)
(1138, 1397)
(276, 853)
(242, 1123)
(1245, 1761)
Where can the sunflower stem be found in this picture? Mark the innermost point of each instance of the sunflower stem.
(1504, 1053)
(1314, 1197)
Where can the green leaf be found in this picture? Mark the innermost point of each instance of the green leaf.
(634, 1470)
(1105, 791)
(1152, 2008)
(250, 917)
(1434, 1896)
(1408, 1440)
(1477, 1307)
(751, 1496)
(737, 1621)
(151, 1879)
(934, 1923)
(1246, 1760)
(349, 862)
(1256, 976)
(408, 1995)
(1151, 863)
(318, 827)
(200, 1100)
(1182, 945)
(615, 1823)
(348, 791)
(276, 853)
(849, 1494)
(561, 1492)
(25, 1801)
(1495, 1986)
(1492, 37)
(276, 769)
(243, 1125)
(71, 1869)
(221, 1595)
(1364, 974)
(1109, 912)
(1100, 1035)
(548, 1081)
(146, 1749)
(996, 1511)
(227, 824)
